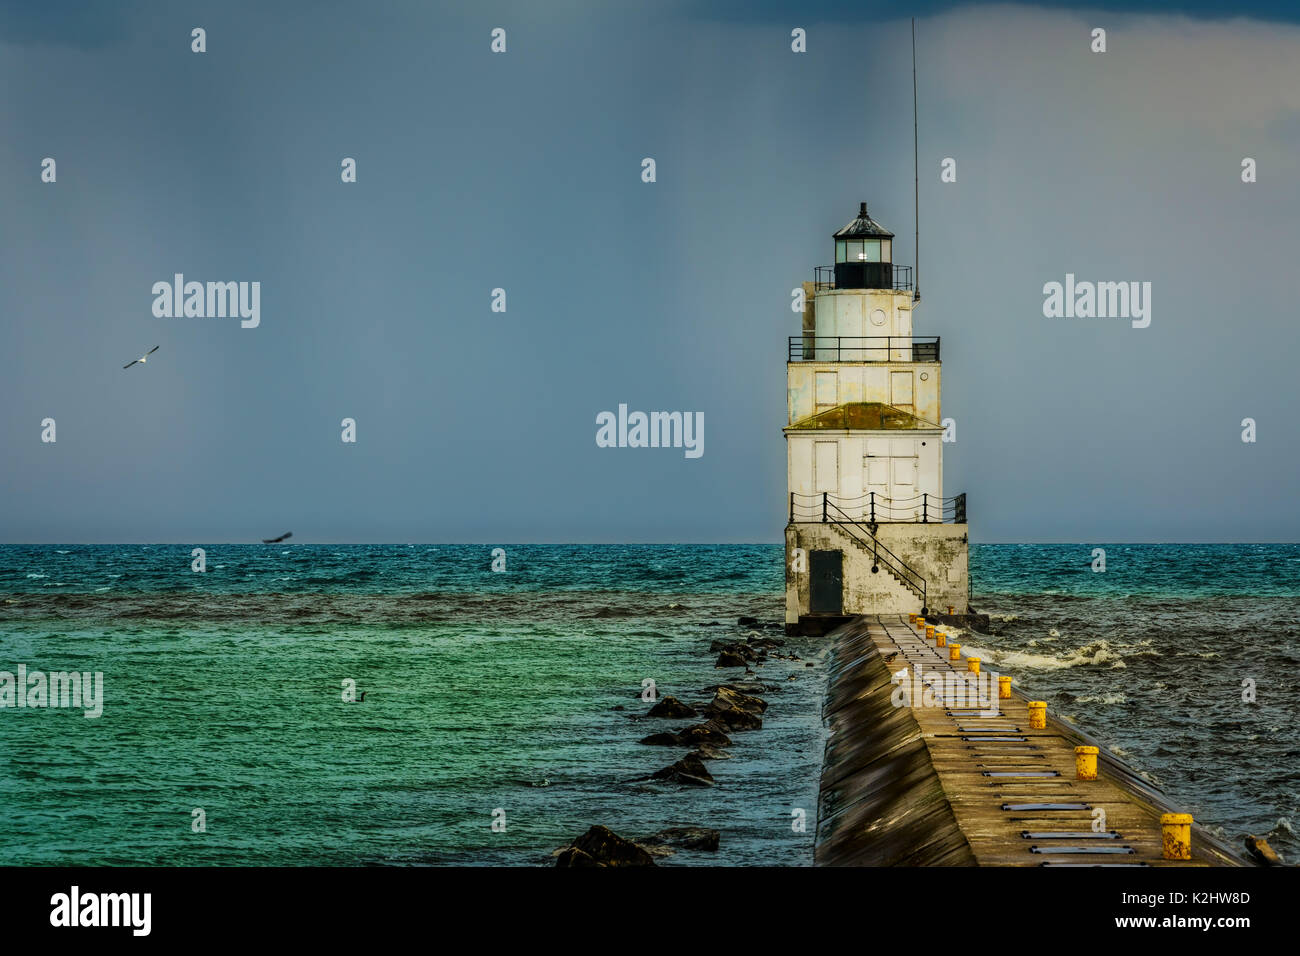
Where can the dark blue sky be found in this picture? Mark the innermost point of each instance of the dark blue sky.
(522, 171)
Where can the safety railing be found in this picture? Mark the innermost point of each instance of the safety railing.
(863, 348)
(874, 508)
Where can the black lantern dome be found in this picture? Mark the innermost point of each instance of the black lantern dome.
(864, 254)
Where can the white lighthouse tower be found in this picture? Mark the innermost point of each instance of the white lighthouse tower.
(870, 531)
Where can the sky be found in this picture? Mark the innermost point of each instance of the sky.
(523, 171)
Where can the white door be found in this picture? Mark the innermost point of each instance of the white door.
(826, 467)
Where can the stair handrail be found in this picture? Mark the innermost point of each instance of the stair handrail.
(833, 514)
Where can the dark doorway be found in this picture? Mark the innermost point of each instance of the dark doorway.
(826, 584)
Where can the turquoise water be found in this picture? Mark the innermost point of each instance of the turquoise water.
(484, 691)
(497, 691)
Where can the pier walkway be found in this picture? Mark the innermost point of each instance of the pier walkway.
(941, 779)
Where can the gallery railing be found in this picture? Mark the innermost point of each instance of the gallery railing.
(863, 348)
(874, 508)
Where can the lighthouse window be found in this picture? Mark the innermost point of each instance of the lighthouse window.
(852, 251)
(839, 251)
(870, 251)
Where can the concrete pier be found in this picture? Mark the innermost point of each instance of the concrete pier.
(959, 784)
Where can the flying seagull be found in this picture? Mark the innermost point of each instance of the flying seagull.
(142, 358)
(287, 534)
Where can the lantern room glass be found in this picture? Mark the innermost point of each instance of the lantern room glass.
(857, 250)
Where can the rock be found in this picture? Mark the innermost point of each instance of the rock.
(672, 707)
(719, 645)
(744, 686)
(603, 847)
(730, 658)
(661, 740)
(690, 769)
(765, 642)
(682, 838)
(743, 694)
(810, 665)
(735, 710)
(746, 621)
(709, 732)
(571, 856)
(710, 752)
(1262, 853)
(618, 707)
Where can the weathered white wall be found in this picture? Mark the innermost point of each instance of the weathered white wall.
(911, 386)
(865, 312)
(895, 464)
(938, 552)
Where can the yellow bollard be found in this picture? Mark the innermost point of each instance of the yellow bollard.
(973, 665)
(1037, 715)
(1004, 688)
(950, 610)
(940, 639)
(1176, 836)
(929, 632)
(1085, 763)
(954, 652)
(911, 619)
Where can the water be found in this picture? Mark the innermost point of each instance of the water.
(485, 691)
(489, 691)
(1150, 657)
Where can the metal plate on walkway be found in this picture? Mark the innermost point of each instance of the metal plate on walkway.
(1126, 850)
(1020, 773)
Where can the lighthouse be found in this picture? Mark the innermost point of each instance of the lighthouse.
(870, 530)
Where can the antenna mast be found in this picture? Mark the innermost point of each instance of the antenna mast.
(916, 174)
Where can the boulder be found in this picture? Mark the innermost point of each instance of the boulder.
(744, 686)
(672, 707)
(690, 769)
(730, 658)
(601, 846)
(661, 740)
(735, 710)
(709, 732)
(739, 696)
(683, 838)
(710, 752)
(746, 621)
(571, 856)
(1261, 852)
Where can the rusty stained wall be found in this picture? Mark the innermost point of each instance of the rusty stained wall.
(912, 386)
(938, 552)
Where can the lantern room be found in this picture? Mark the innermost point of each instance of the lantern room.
(864, 254)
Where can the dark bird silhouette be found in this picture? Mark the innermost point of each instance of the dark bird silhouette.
(286, 535)
(142, 358)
